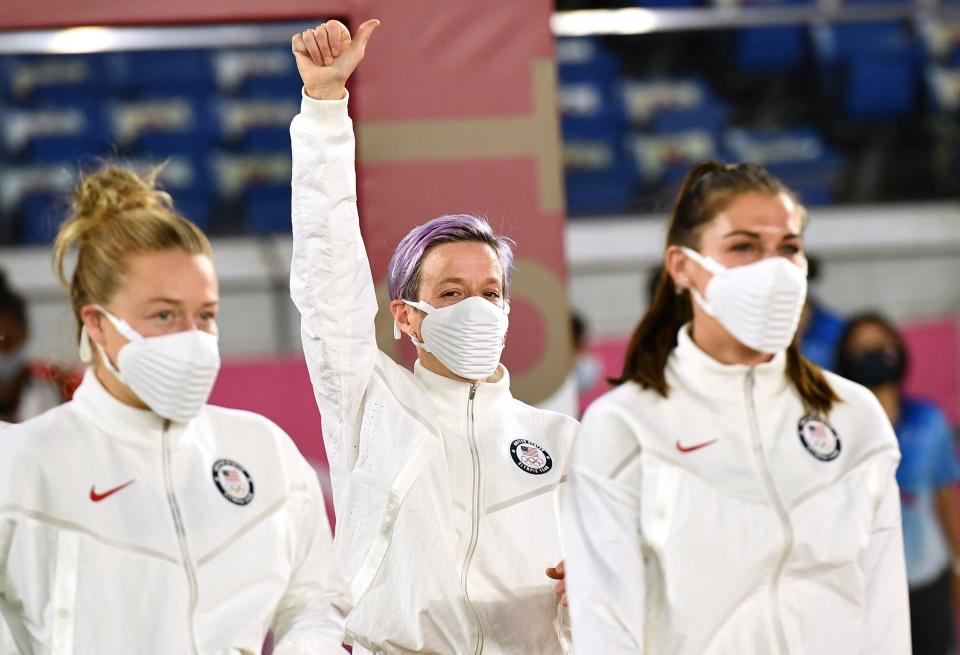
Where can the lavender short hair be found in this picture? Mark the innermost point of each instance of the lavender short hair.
(404, 272)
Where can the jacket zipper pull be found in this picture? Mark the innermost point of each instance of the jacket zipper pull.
(473, 390)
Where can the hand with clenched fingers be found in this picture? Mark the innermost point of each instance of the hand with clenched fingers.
(327, 56)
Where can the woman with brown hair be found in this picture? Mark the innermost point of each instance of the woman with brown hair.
(136, 518)
(729, 496)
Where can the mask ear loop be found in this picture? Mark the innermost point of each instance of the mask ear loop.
(85, 351)
(416, 305)
(709, 265)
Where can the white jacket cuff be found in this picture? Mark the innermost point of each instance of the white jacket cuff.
(325, 110)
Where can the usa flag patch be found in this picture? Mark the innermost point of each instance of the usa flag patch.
(233, 481)
(819, 438)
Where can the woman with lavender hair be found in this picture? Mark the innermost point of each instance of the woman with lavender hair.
(443, 483)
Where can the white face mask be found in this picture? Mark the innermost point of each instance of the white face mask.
(759, 303)
(172, 374)
(467, 337)
(12, 365)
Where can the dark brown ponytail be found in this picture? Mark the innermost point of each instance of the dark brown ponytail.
(706, 190)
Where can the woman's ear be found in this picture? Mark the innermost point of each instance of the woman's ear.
(401, 318)
(676, 264)
(91, 317)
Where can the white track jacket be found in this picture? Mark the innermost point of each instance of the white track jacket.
(725, 520)
(123, 533)
(443, 490)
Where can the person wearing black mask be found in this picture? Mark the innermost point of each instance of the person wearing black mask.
(872, 352)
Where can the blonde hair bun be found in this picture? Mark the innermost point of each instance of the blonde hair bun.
(112, 191)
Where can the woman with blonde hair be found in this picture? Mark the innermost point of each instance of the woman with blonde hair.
(137, 518)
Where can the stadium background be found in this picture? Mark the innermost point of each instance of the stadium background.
(524, 112)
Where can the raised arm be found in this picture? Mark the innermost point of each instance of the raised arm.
(330, 280)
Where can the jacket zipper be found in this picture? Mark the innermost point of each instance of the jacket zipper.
(781, 513)
(475, 526)
(181, 533)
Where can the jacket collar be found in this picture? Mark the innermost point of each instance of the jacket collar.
(138, 427)
(451, 397)
(699, 373)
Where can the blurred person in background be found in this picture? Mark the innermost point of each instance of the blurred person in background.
(820, 328)
(872, 352)
(27, 389)
(587, 367)
(730, 496)
(137, 518)
(443, 482)
(586, 370)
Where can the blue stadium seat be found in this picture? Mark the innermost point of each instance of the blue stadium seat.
(163, 127)
(711, 116)
(267, 209)
(46, 80)
(798, 156)
(41, 214)
(882, 86)
(644, 99)
(764, 50)
(259, 125)
(195, 205)
(257, 73)
(585, 60)
(161, 72)
(879, 68)
(599, 193)
(53, 135)
(660, 155)
(814, 182)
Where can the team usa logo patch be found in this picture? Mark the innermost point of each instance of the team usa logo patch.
(233, 481)
(819, 438)
(530, 457)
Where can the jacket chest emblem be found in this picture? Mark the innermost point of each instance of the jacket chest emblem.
(530, 457)
(233, 482)
(819, 438)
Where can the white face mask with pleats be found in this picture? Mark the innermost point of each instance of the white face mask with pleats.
(172, 374)
(759, 304)
(467, 337)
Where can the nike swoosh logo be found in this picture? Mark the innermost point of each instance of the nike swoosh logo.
(95, 497)
(690, 449)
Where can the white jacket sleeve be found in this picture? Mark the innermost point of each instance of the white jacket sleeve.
(602, 537)
(886, 629)
(309, 619)
(330, 279)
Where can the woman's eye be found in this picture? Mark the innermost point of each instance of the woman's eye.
(790, 250)
(492, 294)
(208, 316)
(449, 294)
(742, 247)
(163, 315)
